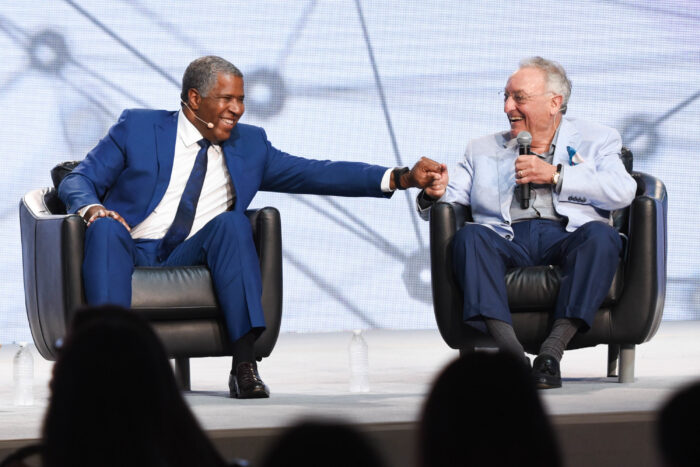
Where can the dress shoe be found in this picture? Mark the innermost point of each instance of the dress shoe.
(245, 383)
(545, 372)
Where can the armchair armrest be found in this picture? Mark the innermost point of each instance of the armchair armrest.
(446, 293)
(267, 234)
(52, 253)
(641, 306)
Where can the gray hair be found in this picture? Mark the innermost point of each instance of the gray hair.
(557, 81)
(202, 73)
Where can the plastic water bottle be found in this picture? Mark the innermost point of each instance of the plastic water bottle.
(359, 363)
(23, 368)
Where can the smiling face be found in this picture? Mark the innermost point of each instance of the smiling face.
(530, 106)
(223, 107)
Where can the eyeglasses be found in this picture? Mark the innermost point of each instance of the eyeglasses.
(519, 97)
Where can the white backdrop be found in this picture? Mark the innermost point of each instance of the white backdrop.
(71, 66)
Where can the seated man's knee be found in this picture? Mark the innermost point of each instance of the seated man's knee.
(472, 234)
(108, 228)
(231, 221)
(602, 235)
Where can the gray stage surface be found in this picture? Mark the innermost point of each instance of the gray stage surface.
(308, 375)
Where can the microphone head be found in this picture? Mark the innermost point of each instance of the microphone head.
(524, 138)
(210, 125)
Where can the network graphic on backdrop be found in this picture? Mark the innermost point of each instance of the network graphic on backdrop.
(92, 89)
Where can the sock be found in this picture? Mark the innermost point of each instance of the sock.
(504, 335)
(563, 331)
(243, 350)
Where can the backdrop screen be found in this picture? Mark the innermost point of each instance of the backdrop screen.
(384, 82)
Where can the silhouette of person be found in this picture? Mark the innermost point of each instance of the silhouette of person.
(114, 400)
(321, 444)
(484, 410)
(678, 430)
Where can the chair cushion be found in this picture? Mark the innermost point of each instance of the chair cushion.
(536, 287)
(184, 292)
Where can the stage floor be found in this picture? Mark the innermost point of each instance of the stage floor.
(308, 376)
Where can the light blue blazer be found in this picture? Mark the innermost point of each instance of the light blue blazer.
(485, 177)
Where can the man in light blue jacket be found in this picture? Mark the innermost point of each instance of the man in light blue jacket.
(576, 179)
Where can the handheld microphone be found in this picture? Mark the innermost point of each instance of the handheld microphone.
(209, 125)
(524, 141)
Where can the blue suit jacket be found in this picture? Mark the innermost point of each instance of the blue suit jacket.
(485, 177)
(129, 171)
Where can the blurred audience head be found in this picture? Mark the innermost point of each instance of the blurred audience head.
(678, 428)
(322, 444)
(114, 399)
(484, 410)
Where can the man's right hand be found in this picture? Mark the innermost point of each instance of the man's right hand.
(439, 185)
(98, 211)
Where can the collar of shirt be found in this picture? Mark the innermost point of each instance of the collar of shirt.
(552, 145)
(189, 135)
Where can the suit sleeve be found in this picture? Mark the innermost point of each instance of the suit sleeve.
(90, 180)
(292, 174)
(602, 182)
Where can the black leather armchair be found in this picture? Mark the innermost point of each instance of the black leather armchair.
(630, 314)
(178, 301)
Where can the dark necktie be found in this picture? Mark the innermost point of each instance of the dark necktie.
(182, 224)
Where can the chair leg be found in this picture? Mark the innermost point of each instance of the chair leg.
(626, 363)
(182, 373)
(613, 355)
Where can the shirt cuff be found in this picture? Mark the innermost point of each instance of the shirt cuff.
(386, 181)
(425, 201)
(557, 187)
(84, 209)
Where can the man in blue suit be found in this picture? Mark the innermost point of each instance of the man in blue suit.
(171, 189)
(577, 179)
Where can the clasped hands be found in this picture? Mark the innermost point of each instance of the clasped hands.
(97, 211)
(532, 169)
(428, 175)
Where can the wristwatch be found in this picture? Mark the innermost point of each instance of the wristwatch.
(398, 172)
(556, 175)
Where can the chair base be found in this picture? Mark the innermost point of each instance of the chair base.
(624, 354)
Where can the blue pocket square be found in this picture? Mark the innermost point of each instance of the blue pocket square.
(574, 158)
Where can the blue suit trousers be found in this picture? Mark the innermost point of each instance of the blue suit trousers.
(587, 257)
(111, 255)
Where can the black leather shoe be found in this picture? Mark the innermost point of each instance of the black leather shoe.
(246, 382)
(545, 372)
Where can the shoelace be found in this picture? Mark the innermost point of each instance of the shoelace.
(249, 375)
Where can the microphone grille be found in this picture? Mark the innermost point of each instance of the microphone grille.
(211, 125)
(524, 138)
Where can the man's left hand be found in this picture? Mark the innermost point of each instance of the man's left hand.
(532, 169)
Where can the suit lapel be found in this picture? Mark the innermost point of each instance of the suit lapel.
(568, 136)
(234, 163)
(506, 174)
(165, 134)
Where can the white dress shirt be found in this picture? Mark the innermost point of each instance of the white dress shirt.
(216, 195)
